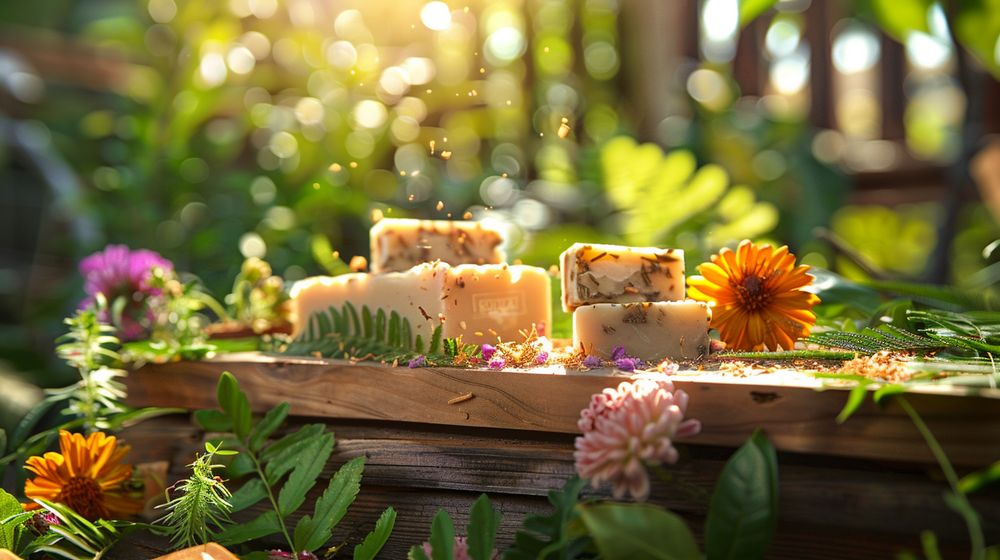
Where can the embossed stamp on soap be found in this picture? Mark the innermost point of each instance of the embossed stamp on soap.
(498, 304)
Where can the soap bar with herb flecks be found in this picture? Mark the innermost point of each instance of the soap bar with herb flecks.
(399, 244)
(650, 331)
(593, 273)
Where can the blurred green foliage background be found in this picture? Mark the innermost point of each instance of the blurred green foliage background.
(215, 130)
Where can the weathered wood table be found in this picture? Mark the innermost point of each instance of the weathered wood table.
(862, 489)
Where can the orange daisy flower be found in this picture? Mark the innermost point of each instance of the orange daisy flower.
(757, 297)
(86, 476)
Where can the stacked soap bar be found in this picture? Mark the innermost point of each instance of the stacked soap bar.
(632, 297)
(594, 273)
(431, 273)
(480, 303)
(400, 244)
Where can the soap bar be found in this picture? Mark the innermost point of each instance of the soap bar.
(593, 273)
(399, 244)
(485, 302)
(414, 294)
(649, 330)
(480, 303)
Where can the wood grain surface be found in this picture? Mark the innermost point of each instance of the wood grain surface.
(796, 414)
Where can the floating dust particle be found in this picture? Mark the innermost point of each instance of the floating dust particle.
(354, 165)
(461, 398)
(541, 134)
(377, 215)
(482, 70)
(402, 173)
(429, 90)
(463, 325)
(504, 175)
(467, 216)
(465, 9)
(546, 49)
(440, 206)
(508, 102)
(358, 264)
(445, 139)
(415, 172)
(412, 197)
(335, 167)
(564, 128)
(316, 186)
(449, 214)
(445, 154)
(432, 143)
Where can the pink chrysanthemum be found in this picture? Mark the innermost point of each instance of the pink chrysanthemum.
(461, 549)
(118, 272)
(627, 428)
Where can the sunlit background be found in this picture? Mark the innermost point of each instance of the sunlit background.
(215, 130)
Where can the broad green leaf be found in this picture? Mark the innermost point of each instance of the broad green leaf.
(442, 537)
(380, 324)
(375, 540)
(350, 310)
(308, 466)
(854, 401)
(235, 404)
(28, 422)
(482, 530)
(281, 456)
(249, 494)
(977, 27)
(326, 257)
(314, 530)
(271, 422)
(367, 322)
(899, 18)
(743, 511)
(10, 530)
(212, 420)
(974, 481)
(629, 531)
(750, 9)
(263, 525)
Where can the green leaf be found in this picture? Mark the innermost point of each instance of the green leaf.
(418, 344)
(355, 320)
(308, 466)
(380, 325)
(252, 492)
(899, 18)
(314, 530)
(235, 404)
(628, 531)
(3, 441)
(28, 422)
(271, 422)
(552, 531)
(974, 481)
(482, 530)
(750, 9)
(375, 540)
(367, 322)
(416, 553)
(212, 420)
(325, 256)
(442, 537)
(435, 340)
(854, 401)
(929, 544)
(743, 511)
(977, 28)
(262, 526)
(281, 456)
(886, 391)
(405, 334)
(394, 335)
(10, 529)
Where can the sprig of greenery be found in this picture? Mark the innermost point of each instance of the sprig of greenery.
(76, 538)
(347, 333)
(480, 534)
(284, 471)
(560, 534)
(202, 507)
(89, 347)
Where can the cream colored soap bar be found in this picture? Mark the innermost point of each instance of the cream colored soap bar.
(485, 302)
(414, 294)
(649, 331)
(480, 303)
(399, 244)
(593, 273)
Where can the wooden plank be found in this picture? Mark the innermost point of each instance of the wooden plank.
(795, 415)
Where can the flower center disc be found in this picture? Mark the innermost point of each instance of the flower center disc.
(83, 495)
(752, 293)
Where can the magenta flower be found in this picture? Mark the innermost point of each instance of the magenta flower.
(118, 272)
(419, 361)
(497, 363)
(628, 364)
(461, 549)
(617, 353)
(592, 361)
(542, 357)
(627, 428)
(488, 351)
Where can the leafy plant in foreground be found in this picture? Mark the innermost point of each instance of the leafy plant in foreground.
(480, 535)
(202, 506)
(76, 538)
(559, 534)
(283, 473)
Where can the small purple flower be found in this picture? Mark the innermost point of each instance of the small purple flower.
(278, 555)
(542, 357)
(41, 521)
(618, 353)
(118, 272)
(419, 361)
(497, 363)
(488, 351)
(592, 361)
(628, 364)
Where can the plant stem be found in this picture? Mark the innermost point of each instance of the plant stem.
(964, 508)
(270, 496)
